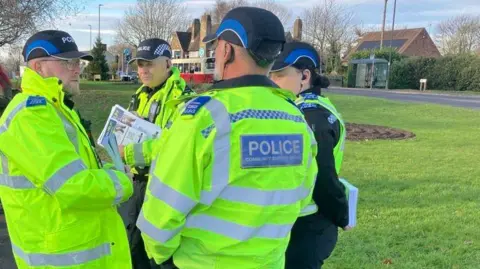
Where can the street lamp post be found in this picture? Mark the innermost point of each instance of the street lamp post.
(391, 41)
(383, 23)
(99, 5)
(90, 36)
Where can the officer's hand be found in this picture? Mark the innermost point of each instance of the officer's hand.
(347, 228)
(121, 150)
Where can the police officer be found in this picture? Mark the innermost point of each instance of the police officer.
(236, 167)
(59, 202)
(161, 83)
(314, 236)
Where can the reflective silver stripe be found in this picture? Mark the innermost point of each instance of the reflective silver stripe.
(16, 182)
(10, 116)
(264, 198)
(173, 198)
(64, 259)
(221, 149)
(157, 234)
(309, 209)
(327, 105)
(138, 155)
(57, 180)
(237, 231)
(118, 187)
(70, 130)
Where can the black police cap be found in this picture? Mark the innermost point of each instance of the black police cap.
(249, 27)
(151, 49)
(299, 54)
(58, 44)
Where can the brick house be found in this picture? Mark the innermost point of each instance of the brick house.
(408, 42)
(189, 44)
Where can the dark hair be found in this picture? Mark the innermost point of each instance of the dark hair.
(266, 52)
(317, 81)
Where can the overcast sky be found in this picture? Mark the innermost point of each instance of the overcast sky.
(411, 13)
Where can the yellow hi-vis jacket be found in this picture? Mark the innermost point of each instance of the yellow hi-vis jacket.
(230, 178)
(153, 109)
(60, 205)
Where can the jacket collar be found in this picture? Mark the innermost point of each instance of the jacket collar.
(244, 81)
(174, 78)
(315, 90)
(253, 81)
(50, 88)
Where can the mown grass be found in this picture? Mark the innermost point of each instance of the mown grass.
(418, 205)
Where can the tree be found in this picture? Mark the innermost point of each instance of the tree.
(117, 49)
(13, 58)
(152, 18)
(21, 17)
(328, 27)
(460, 34)
(99, 64)
(222, 7)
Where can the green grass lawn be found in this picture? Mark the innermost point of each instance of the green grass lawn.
(418, 205)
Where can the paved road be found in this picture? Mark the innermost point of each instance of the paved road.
(472, 101)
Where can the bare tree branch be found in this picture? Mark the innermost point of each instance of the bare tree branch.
(21, 17)
(328, 27)
(152, 18)
(460, 34)
(222, 7)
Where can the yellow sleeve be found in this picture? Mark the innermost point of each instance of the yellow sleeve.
(36, 142)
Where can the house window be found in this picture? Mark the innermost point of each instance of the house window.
(177, 54)
(193, 54)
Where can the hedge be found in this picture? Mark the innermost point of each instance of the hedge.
(452, 73)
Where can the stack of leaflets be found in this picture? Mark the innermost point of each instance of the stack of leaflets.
(123, 128)
(352, 198)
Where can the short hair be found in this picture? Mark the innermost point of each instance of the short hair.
(266, 53)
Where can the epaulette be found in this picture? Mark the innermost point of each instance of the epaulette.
(34, 101)
(193, 106)
(305, 106)
(309, 96)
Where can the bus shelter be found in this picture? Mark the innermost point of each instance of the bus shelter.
(365, 71)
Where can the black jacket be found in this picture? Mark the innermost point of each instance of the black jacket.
(329, 192)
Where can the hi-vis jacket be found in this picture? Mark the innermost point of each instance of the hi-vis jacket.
(60, 204)
(330, 132)
(230, 178)
(150, 105)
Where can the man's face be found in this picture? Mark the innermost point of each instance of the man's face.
(289, 78)
(68, 71)
(153, 73)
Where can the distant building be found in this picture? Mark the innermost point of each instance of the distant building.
(189, 44)
(408, 42)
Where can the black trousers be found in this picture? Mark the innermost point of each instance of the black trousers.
(129, 212)
(312, 241)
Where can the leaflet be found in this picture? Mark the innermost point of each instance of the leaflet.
(352, 198)
(127, 128)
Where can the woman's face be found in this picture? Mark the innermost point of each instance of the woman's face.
(289, 78)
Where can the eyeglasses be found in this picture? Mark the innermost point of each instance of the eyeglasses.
(69, 64)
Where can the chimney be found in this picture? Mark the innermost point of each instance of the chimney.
(297, 29)
(205, 29)
(195, 29)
